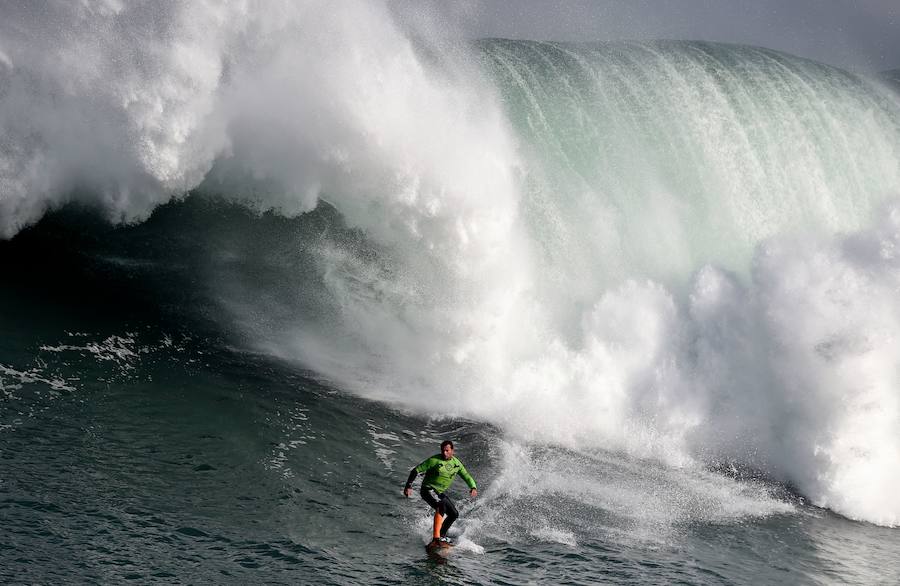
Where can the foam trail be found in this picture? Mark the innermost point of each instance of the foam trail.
(607, 496)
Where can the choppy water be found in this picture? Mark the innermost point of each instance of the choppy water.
(223, 469)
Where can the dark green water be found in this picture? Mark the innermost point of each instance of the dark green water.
(202, 465)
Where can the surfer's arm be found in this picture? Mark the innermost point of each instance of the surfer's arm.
(470, 482)
(420, 469)
(412, 476)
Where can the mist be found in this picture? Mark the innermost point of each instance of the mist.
(862, 35)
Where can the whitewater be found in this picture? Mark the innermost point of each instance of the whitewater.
(652, 285)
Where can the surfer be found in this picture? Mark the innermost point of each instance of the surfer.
(439, 471)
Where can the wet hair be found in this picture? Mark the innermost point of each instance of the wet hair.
(446, 443)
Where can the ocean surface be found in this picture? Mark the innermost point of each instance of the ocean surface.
(259, 260)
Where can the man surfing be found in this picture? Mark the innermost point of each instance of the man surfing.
(439, 471)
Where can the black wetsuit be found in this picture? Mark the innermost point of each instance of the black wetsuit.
(439, 473)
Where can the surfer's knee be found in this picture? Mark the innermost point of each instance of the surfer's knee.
(450, 509)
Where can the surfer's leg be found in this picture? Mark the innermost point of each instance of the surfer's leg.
(452, 514)
(438, 523)
(436, 502)
(432, 498)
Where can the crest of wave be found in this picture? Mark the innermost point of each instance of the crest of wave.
(125, 105)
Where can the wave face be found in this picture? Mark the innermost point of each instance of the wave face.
(681, 251)
(688, 153)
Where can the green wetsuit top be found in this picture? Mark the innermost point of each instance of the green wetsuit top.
(439, 473)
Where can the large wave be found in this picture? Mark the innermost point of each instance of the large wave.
(683, 251)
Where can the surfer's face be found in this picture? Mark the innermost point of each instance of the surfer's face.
(447, 452)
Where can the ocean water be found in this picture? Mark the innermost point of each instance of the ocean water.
(259, 260)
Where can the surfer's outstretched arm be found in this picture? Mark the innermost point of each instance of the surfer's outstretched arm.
(407, 490)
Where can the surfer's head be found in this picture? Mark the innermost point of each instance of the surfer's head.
(447, 449)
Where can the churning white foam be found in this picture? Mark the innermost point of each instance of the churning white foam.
(107, 104)
(123, 106)
(831, 315)
(794, 374)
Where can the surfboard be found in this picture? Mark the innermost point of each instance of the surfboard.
(439, 548)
